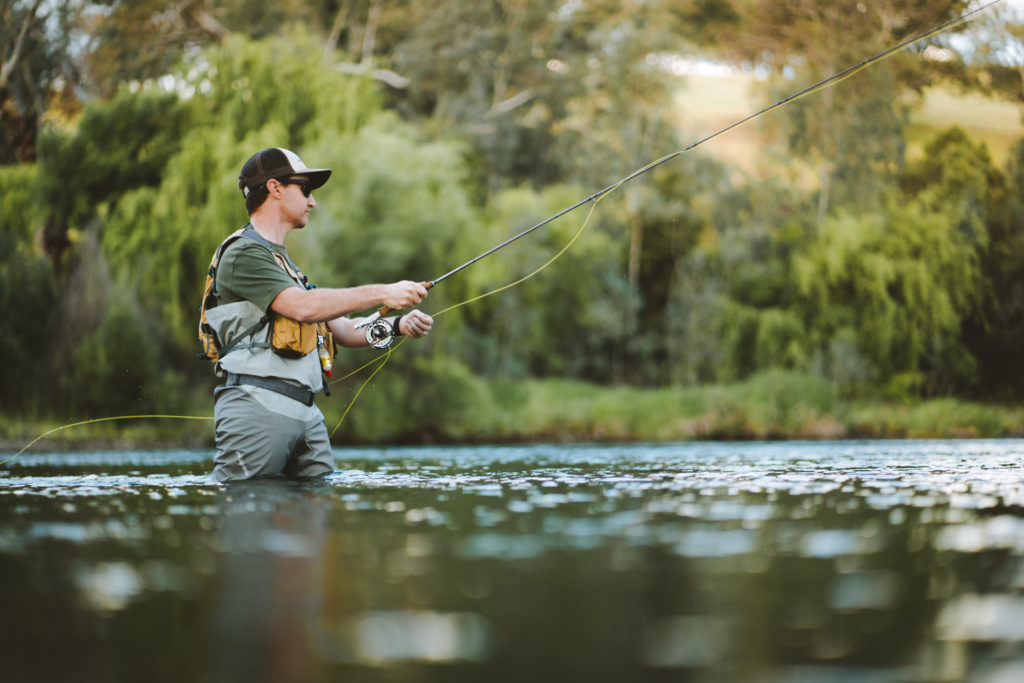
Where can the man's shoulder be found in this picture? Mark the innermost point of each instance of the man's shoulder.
(244, 249)
(247, 270)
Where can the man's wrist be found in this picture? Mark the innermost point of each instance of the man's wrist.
(395, 326)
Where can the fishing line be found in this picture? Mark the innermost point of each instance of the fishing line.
(102, 419)
(595, 198)
(383, 358)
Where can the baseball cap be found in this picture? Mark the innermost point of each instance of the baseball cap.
(277, 162)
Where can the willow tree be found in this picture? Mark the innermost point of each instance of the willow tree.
(902, 280)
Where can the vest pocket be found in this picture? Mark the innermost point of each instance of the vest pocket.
(290, 338)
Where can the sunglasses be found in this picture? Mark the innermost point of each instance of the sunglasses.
(303, 184)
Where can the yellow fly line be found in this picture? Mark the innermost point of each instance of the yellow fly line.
(102, 419)
(383, 359)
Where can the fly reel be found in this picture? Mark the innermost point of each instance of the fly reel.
(380, 334)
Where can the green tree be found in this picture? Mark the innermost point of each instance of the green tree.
(732, 303)
(533, 86)
(250, 95)
(116, 146)
(120, 368)
(27, 294)
(899, 282)
(956, 167)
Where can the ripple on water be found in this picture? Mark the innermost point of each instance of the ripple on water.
(828, 543)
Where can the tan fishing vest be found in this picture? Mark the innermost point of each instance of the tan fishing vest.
(242, 339)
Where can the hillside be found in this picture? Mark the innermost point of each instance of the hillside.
(706, 104)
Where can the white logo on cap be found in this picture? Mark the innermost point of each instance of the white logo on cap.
(294, 160)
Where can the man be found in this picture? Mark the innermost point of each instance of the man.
(264, 313)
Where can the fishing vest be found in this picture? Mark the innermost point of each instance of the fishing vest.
(242, 339)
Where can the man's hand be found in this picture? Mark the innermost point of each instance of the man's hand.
(404, 294)
(415, 324)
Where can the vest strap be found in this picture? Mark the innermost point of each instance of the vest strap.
(236, 343)
(277, 385)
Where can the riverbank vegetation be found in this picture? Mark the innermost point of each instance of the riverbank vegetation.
(771, 405)
(858, 273)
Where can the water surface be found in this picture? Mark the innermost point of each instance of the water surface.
(787, 561)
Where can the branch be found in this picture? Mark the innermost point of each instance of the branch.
(370, 34)
(384, 75)
(8, 67)
(209, 24)
(512, 102)
(340, 20)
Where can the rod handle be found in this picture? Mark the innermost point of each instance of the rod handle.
(384, 310)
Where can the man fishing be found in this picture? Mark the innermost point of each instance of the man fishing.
(272, 333)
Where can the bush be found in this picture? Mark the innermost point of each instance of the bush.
(119, 368)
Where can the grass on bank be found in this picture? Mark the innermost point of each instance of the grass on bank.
(771, 405)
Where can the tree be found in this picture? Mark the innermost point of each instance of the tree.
(899, 282)
(733, 305)
(117, 145)
(852, 134)
(961, 170)
(37, 72)
(27, 292)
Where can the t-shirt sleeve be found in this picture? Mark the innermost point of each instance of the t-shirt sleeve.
(248, 271)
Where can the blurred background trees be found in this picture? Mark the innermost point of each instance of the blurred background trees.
(852, 244)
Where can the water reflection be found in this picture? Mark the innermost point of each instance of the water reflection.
(269, 576)
(852, 561)
(382, 637)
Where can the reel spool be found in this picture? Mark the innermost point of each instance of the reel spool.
(380, 334)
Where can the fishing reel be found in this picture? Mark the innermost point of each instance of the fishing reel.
(381, 333)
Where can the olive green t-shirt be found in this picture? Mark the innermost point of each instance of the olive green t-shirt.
(247, 271)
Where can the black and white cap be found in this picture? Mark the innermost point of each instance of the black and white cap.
(277, 162)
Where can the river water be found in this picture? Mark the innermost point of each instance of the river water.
(855, 561)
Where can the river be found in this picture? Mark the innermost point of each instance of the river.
(854, 561)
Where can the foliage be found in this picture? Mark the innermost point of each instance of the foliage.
(942, 418)
(428, 400)
(541, 91)
(994, 330)
(851, 136)
(27, 292)
(732, 306)
(843, 268)
(118, 145)
(899, 282)
(37, 72)
(119, 368)
(196, 202)
(767, 405)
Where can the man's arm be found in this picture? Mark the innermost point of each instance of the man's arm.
(413, 324)
(323, 304)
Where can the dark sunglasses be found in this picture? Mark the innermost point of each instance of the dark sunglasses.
(303, 184)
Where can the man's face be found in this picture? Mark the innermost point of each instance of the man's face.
(295, 205)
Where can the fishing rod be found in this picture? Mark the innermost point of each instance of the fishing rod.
(380, 333)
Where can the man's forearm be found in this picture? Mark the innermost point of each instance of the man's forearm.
(318, 305)
(345, 333)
